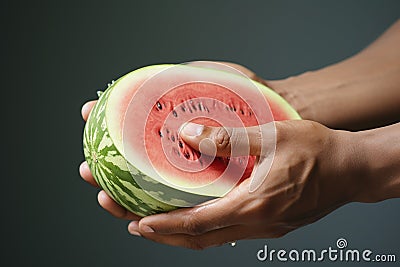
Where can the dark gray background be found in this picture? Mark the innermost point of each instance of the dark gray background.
(54, 58)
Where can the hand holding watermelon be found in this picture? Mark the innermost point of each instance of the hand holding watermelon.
(315, 169)
(314, 172)
(310, 177)
(297, 191)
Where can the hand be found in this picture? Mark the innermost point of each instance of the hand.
(310, 177)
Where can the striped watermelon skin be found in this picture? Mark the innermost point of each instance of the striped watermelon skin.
(110, 169)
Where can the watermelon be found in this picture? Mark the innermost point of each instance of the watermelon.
(131, 138)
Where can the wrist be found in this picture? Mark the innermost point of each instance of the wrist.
(381, 163)
(347, 171)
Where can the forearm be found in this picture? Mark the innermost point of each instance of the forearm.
(380, 160)
(360, 92)
(371, 162)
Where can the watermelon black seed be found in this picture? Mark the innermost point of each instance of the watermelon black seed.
(193, 105)
(180, 144)
(176, 152)
(174, 113)
(187, 155)
(160, 133)
(167, 131)
(200, 106)
(241, 111)
(173, 138)
(159, 106)
(183, 108)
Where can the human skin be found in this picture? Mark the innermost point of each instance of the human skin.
(315, 169)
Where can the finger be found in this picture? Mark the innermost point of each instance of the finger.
(227, 67)
(197, 220)
(86, 174)
(221, 141)
(246, 71)
(112, 207)
(86, 108)
(209, 239)
(233, 68)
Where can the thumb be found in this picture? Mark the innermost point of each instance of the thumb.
(227, 141)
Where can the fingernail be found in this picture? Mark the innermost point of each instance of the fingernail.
(147, 229)
(102, 196)
(132, 232)
(85, 109)
(83, 166)
(192, 129)
(133, 228)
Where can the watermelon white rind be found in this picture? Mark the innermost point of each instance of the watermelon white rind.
(105, 156)
(112, 173)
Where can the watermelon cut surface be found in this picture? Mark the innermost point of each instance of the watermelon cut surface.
(132, 143)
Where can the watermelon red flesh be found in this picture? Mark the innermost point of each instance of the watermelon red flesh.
(138, 96)
(186, 101)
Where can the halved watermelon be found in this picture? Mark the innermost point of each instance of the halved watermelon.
(132, 143)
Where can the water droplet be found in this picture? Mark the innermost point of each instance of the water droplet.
(233, 244)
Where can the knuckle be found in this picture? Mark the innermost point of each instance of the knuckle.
(195, 244)
(192, 224)
(277, 233)
(222, 139)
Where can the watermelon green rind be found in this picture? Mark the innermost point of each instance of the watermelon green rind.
(109, 168)
(112, 173)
